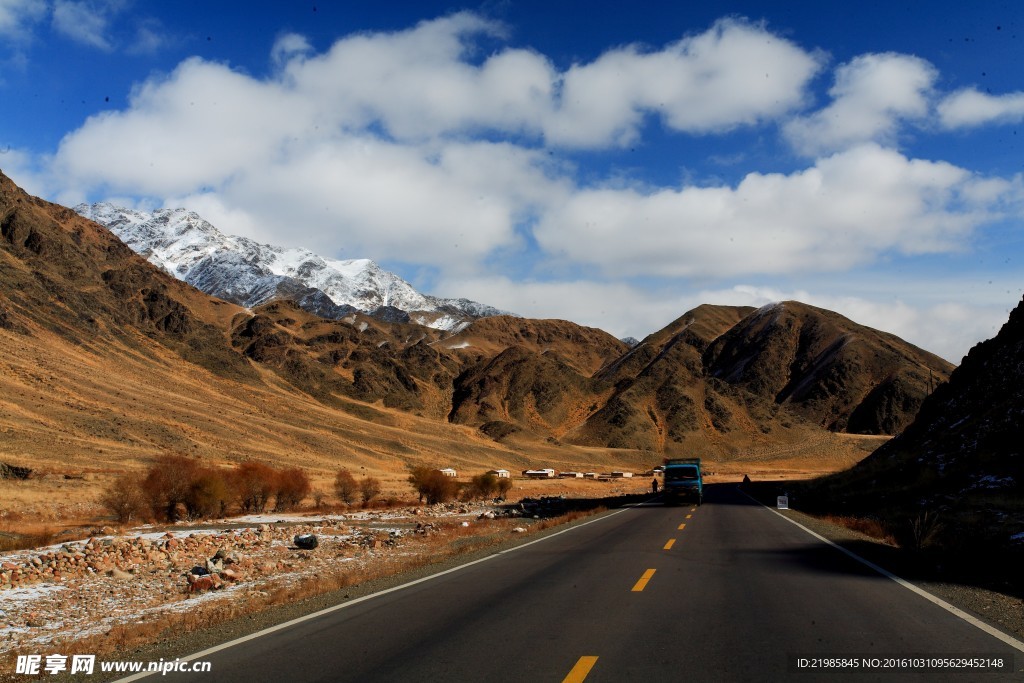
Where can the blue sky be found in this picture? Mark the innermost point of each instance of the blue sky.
(614, 164)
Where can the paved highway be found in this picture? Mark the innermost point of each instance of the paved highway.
(726, 591)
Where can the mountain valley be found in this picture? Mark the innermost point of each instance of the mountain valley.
(110, 361)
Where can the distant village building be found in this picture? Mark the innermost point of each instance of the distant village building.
(620, 475)
(570, 475)
(546, 473)
(449, 472)
(500, 474)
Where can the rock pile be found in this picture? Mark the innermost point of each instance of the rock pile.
(88, 587)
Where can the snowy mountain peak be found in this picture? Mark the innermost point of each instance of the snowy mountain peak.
(248, 273)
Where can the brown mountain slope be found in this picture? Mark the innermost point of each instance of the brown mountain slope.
(830, 370)
(664, 401)
(79, 281)
(695, 329)
(539, 392)
(358, 358)
(106, 362)
(585, 348)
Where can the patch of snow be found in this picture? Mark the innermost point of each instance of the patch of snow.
(248, 273)
(21, 594)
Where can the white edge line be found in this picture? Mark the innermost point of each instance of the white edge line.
(956, 611)
(356, 601)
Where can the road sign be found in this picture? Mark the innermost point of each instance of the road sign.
(782, 503)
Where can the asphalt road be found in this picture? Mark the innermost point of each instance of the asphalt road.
(726, 591)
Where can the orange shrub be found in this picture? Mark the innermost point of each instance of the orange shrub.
(292, 487)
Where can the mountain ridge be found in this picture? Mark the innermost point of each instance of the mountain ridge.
(519, 385)
(248, 273)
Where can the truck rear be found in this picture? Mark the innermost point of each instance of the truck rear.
(683, 481)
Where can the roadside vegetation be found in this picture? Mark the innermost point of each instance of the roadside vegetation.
(176, 488)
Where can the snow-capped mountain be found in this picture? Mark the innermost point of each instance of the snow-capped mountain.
(248, 273)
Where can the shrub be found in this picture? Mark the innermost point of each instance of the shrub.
(346, 487)
(504, 486)
(168, 486)
(369, 488)
(254, 484)
(125, 498)
(208, 495)
(432, 485)
(482, 486)
(292, 487)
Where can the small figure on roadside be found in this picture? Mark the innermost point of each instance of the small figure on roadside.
(654, 485)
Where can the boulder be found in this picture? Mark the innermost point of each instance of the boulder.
(306, 541)
(200, 583)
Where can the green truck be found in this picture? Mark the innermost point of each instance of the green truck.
(683, 480)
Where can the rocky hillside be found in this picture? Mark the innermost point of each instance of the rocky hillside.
(826, 368)
(951, 487)
(73, 278)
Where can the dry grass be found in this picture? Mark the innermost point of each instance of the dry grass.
(875, 528)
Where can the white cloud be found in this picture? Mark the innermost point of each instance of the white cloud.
(872, 96)
(734, 74)
(22, 167)
(844, 211)
(302, 134)
(618, 308)
(206, 123)
(288, 46)
(198, 127)
(84, 22)
(969, 107)
(18, 16)
(149, 38)
(420, 83)
(449, 207)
